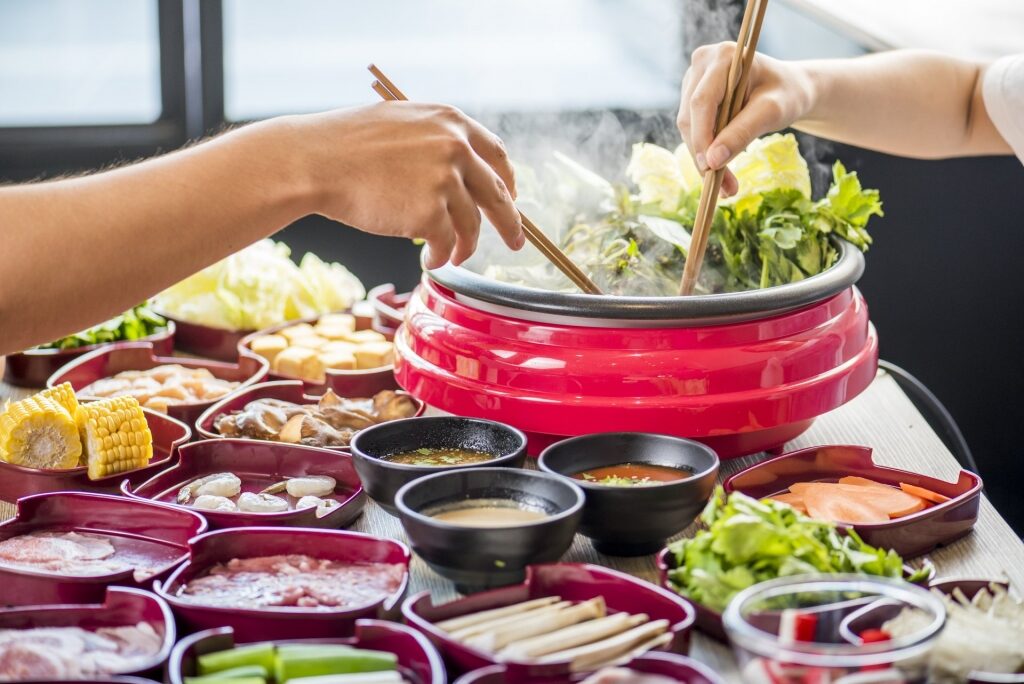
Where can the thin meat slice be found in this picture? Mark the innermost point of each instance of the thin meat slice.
(826, 501)
(793, 499)
(861, 481)
(926, 494)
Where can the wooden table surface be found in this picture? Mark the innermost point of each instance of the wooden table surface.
(882, 418)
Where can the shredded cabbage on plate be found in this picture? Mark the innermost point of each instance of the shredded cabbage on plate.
(261, 286)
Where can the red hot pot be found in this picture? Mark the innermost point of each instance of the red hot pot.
(742, 372)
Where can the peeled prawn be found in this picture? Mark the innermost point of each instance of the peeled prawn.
(323, 506)
(251, 502)
(310, 485)
(212, 502)
(219, 484)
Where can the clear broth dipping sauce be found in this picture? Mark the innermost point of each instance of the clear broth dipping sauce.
(488, 513)
(428, 456)
(632, 475)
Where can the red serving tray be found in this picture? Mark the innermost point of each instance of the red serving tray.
(571, 581)
(910, 536)
(140, 521)
(347, 383)
(168, 434)
(121, 606)
(388, 308)
(261, 624)
(124, 356)
(32, 367)
(286, 390)
(258, 464)
(419, 662)
(678, 668)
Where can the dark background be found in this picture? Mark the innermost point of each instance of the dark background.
(943, 280)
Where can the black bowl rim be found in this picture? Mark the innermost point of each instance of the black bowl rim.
(430, 469)
(575, 509)
(711, 470)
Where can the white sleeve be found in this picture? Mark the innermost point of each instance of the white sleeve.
(1003, 92)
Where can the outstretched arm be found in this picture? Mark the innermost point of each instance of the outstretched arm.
(907, 102)
(80, 250)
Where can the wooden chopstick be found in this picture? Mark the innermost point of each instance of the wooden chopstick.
(386, 88)
(736, 86)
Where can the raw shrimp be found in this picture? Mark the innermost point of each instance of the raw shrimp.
(261, 503)
(212, 502)
(311, 485)
(219, 484)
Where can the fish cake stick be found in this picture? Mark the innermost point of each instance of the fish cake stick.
(570, 637)
(480, 628)
(497, 639)
(464, 621)
(607, 649)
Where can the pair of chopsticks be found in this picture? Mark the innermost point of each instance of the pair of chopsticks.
(735, 91)
(384, 87)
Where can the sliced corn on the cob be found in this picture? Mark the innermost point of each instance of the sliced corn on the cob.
(38, 432)
(115, 436)
(63, 394)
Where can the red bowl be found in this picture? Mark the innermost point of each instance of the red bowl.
(910, 536)
(258, 464)
(32, 367)
(676, 667)
(388, 308)
(740, 387)
(151, 529)
(709, 620)
(124, 356)
(168, 434)
(286, 390)
(349, 383)
(120, 607)
(571, 581)
(206, 341)
(258, 624)
(419, 662)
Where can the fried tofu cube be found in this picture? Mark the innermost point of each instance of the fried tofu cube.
(269, 346)
(338, 360)
(309, 342)
(361, 336)
(339, 347)
(342, 320)
(298, 330)
(299, 362)
(374, 355)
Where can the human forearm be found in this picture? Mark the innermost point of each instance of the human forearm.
(908, 102)
(80, 250)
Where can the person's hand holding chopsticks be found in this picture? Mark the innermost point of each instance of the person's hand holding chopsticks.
(778, 94)
(412, 170)
(889, 102)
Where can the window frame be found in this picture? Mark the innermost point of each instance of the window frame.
(29, 150)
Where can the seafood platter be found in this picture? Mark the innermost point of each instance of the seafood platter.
(320, 485)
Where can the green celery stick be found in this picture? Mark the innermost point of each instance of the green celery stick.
(252, 654)
(243, 671)
(216, 679)
(292, 664)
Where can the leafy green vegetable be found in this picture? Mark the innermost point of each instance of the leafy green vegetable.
(134, 324)
(261, 286)
(749, 541)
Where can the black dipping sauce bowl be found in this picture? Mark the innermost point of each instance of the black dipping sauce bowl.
(382, 479)
(476, 558)
(635, 520)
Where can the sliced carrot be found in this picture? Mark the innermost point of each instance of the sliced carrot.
(801, 487)
(926, 494)
(895, 502)
(826, 501)
(861, 481)
(794, 500)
